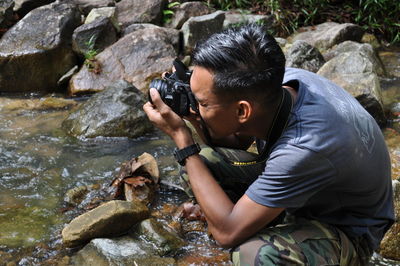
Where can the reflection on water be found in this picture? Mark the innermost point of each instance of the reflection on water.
(39, 163)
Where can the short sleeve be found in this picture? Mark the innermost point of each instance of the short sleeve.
(292, 175)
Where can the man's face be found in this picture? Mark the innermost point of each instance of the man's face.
(218, 113)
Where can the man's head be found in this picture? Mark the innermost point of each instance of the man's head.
(246, 62)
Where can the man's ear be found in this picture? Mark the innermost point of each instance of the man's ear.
(244, 111)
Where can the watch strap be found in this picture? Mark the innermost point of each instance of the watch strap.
(181, 154)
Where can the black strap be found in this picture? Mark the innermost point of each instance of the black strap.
(279, 124)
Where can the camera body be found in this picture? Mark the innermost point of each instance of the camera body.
(175, 91)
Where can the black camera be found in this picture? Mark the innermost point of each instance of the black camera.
(175, 90)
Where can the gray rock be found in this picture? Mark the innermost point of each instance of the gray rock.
(166, 241)
(234, 19)
(41, 54)
(107, 12)
(327, 34)
(87, 5)
(138, 58)
(6, 11)
(110, 219)
(305, 56)
(115, 112)
(23, 7)
(364, 48)
(140, 11)
(201, 27)
(119, 251)
(356, 73)
(185, 11)
(94, 36)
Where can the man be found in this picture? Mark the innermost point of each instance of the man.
(328, 170)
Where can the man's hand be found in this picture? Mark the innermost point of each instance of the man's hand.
(162, 116)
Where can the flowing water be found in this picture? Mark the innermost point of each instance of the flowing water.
(39, 163)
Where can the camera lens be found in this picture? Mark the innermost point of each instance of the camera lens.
(160, 85)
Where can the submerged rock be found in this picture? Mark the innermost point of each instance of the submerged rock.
(166, 241)
(114, 112)
(119, 251)
(110, 219)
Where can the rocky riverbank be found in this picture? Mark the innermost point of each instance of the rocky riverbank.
(113, 49)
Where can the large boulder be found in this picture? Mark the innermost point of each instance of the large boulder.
(36, 51)
(140, 11)
(363, 48)
(303, 55)
(201, 27)
(110, 219)
(115, 112)
(356, 73)
(328, 34)
(138, 57)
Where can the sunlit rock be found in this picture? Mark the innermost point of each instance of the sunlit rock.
(356, 73)
(110, 219)
(138, 57)
(326, 35)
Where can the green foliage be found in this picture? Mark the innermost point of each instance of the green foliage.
(168, 13)
(90, 52)
(380, 17)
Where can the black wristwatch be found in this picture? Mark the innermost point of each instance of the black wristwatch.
(182, 154)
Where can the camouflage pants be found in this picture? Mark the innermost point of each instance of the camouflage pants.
(288, 241)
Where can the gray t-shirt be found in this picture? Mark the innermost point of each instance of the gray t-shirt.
(331, 163)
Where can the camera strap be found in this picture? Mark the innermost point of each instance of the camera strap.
(279, 124)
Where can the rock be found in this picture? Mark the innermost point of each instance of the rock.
(6, 12)
(201, 27)
(364, 48)
(110, 219)
(234, 19)
(305, 56)
(94, 36)
(23, 7)
(326, 35)
(115, 112)
(107, 12)
(119, 251)
(140, 11)
(356, 73)
(185, 11)
(166, 241)
(86, 6)
(138, 57)
(43, 52)
(390, 245)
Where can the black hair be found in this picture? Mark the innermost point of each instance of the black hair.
(246, 62)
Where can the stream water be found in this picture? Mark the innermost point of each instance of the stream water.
(39, 163)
